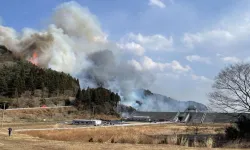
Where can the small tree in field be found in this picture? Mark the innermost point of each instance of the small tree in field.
(231, 89)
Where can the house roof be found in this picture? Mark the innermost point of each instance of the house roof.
(156, 115)
(195, 116)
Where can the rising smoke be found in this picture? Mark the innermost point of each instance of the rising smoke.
(75, 43)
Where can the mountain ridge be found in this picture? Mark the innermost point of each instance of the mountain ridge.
(149, 101)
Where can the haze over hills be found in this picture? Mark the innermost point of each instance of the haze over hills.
(80, 47)
(140, 99)
(148, 101)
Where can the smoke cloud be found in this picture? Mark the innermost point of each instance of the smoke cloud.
(75, 43)
(145, 101)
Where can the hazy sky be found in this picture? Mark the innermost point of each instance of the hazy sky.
(183, 42)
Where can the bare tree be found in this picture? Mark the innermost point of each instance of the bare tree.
(231, 89)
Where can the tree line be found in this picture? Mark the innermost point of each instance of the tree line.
(24, 76)
(97, 100)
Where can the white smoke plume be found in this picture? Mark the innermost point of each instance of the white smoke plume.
(75, 43)
(147, 101)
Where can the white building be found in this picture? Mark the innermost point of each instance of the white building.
(87, 122)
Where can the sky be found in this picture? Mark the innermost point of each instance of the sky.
(184, 43)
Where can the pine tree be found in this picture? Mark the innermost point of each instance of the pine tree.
(79, 95)
(94, 97)
(117, 99)
(3, 86)
(87, 98)
(32, 84)
(78, 83)
(17, 86)
(43, 89)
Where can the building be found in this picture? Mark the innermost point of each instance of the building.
(140, 118)
(152, 116)
(191, 117)
(86, 122)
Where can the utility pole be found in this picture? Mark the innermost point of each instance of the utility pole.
(3, 114)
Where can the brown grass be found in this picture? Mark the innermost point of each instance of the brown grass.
(49, 114)
(21, 141)
(25, 142)
(131, 134)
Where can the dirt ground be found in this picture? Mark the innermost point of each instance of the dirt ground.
(25, 142)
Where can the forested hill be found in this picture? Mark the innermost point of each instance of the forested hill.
(23, 84)
(24, 76)
(21, 79)
(99, 100)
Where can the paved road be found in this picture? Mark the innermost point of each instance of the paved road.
(118, 125)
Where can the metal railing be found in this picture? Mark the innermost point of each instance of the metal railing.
(203, 117)
(176, 117)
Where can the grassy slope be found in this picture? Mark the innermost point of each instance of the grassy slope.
(13, 117)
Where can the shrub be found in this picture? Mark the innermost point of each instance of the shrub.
(196, 130)
(91, 140)
(241, 129)
(182, 141)
(231, 133)
(243, 125)
(164, 141)
(210, 142)
(100, 140)
(67, 102)
(126, 140)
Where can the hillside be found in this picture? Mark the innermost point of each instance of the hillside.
(97, 100)
(148, 101)
(23, 84)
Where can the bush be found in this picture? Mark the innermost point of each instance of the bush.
(100, 140)
(240, 130)
(164, 141)
(67, 102)
(91, 140)
(243, 125)
(112, 140)
(231, 133)
(210, 142)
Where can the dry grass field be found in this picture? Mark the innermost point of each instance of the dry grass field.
(148, 134)
(78, 139)
(144, 137)
(26, 142)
